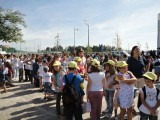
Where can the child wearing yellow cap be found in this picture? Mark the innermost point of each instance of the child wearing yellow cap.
(58, 84)
(72, 107)
(81, 70)
(110, 75)
(126, 92)
(149, 96)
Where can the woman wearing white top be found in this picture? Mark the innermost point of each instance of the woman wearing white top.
(14, 62)
(95, 87)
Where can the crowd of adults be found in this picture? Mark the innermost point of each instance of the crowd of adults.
(105, 75)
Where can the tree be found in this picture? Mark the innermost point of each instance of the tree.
(10, 25)
(88, 49)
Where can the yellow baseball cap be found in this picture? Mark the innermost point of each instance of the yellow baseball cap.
(111, 62)
(150, 75)
(95, 63)
(77, 59)
(73, 64)
(56, 63)
(121, 64)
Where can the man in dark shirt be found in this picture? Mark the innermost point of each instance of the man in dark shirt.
(35, 71)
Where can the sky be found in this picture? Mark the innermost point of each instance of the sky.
(135, 21)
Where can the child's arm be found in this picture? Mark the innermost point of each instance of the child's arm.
(88, 87)
(130, 81)
(153, 112)
(157, 105)
(54, 82)
(104, 83)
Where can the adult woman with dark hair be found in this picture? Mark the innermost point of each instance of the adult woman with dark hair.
(138, 65)
(95, 87)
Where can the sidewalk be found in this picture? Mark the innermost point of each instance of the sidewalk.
(24, 102)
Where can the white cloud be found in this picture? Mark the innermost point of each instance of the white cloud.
(139, 26)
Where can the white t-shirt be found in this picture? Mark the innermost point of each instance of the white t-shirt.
(27, 66)
(110, 80)
(8, 60)
(5, 71)
(20, 64)
(47, 77)
(83, 62)
(41, 71)
(151, 94)
(32, 62)
(96, 79)
(14, 62)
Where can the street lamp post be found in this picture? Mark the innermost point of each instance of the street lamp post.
(88, 31)
(57, 41)
(74, 37)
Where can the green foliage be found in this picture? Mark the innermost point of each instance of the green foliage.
(60, 49)
(89, 49)
(8, 49)
(100, 48)
(10, 25)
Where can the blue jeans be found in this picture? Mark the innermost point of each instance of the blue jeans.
(144, 116)
(109, 100)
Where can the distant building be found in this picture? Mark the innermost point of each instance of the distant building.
(158, 38)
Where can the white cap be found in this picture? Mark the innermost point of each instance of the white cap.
(159, 16)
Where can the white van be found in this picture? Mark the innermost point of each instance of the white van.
(120, 53)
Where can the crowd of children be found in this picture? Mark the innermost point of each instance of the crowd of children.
(107, 77)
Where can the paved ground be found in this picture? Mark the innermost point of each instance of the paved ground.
(24, 102)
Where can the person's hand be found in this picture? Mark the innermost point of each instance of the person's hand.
(120, 77)
(110, 86)
(60, 89)
(129, 83)
(153, 112)
(86, 77)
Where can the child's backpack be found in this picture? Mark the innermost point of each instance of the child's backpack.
(139, 103)
(69, 94)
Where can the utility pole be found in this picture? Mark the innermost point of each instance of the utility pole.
(88, 30)
(147, 47)
(75, 37)
(57, 41)
(118, 41)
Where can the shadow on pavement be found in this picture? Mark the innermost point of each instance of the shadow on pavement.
(18, 94)
(45, 112)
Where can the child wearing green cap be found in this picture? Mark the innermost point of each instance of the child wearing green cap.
(149, 97)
